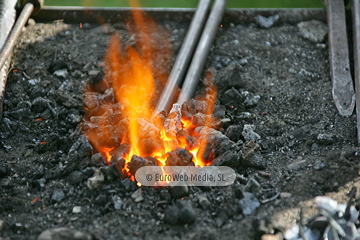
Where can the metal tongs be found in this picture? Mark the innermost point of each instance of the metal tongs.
(191, 42)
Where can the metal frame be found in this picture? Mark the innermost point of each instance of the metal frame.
(115, 15)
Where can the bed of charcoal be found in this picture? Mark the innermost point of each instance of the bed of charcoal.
(288, 142)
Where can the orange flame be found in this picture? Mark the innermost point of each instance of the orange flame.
(210, 98)
(137, 74)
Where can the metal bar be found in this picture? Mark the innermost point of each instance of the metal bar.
(183, 15)
(3, 77)
(202, 50)
(15, 33)
(178, 71)
(355, 5)
(8, 47)
(7, 19)
(342, 84)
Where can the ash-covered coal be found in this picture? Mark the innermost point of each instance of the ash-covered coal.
(173, 123)
(118, 153)
(179, 157)
(138, 162)
(183, 136)
(232, 77)
(187, 127)
(97, 160)
(149, 137)
(192, 107)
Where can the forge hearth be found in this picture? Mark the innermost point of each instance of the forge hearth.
(123, 124)
(272, 121)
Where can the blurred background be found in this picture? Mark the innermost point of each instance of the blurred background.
(191, 3)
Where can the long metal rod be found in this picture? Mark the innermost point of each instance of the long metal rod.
(3, 77)
(183, 15)
(15, 33)
(7, 19)
(6, 51)
(178, 71)
(202, 50)
(5, 54)
(356, 34)
(342, 84)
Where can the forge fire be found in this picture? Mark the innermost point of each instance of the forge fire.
(121, 121)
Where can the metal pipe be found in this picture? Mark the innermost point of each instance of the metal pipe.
(178, 71)
(355, 5)
(202, 50)
(15, 33)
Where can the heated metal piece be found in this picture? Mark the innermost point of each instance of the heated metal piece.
(202, 50)
(342, 84)
(356, 33)
(6, 51)
(178, 71)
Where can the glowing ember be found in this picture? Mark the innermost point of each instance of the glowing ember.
(121, 123)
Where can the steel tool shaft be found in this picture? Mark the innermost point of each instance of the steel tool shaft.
(202, 51)
(6, 51)
(356, 34)
(342, 84)
(182, 61)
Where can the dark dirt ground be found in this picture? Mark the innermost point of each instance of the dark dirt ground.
(306, 147)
